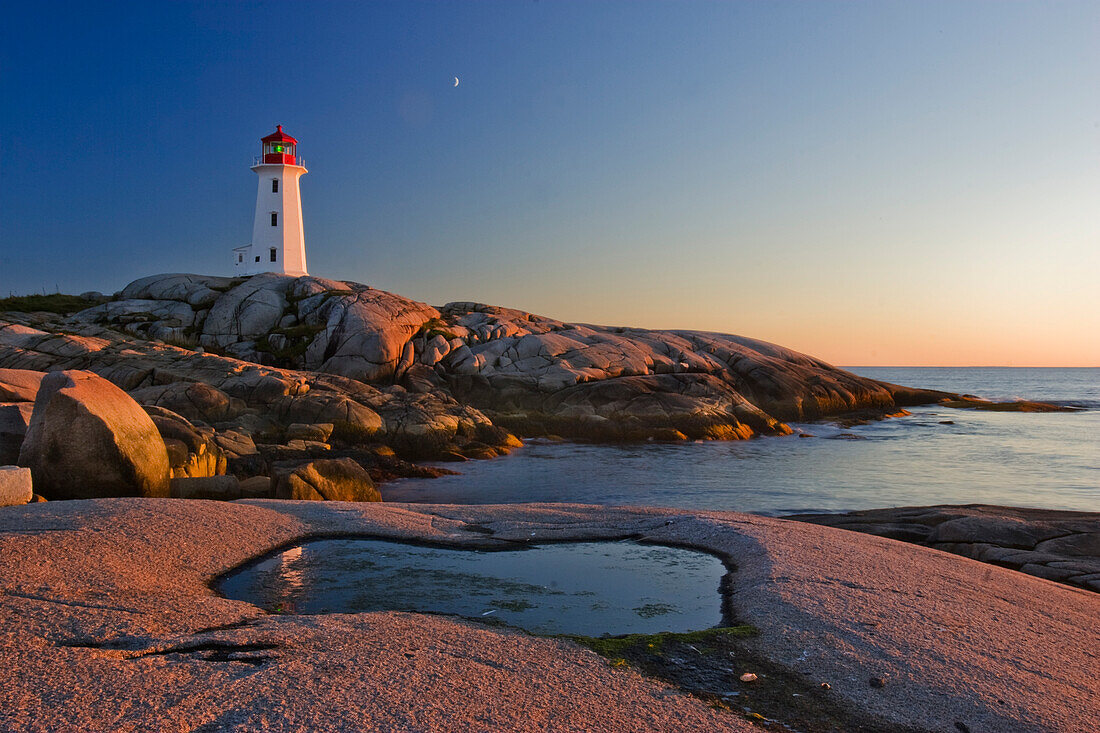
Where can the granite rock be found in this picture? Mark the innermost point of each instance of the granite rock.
(339, 479)
(87, 438)
(16, 486)
(1058, 545)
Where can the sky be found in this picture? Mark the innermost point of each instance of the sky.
(873, 183)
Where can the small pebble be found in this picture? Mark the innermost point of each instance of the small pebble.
(877, 682)
(748, 677)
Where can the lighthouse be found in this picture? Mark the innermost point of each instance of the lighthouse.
(278, 240)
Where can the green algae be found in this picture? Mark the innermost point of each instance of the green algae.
(617, 649)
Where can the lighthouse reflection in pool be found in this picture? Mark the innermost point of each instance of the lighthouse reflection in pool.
(587, 588)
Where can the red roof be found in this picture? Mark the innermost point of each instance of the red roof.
(278, 137)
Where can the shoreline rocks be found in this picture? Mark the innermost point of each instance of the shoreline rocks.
(1063, 546)
(250, 372)
(527, 372)
(340, 479)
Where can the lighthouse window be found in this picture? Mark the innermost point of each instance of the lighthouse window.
(274, 256)
(274, 219)
(274, 185)
(240, 258)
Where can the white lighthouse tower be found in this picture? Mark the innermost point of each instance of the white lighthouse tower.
(278, 240)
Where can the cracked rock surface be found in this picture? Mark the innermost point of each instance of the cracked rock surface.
(1056, 545)
(110, 624)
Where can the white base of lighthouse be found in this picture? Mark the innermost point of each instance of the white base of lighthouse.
(278, 238)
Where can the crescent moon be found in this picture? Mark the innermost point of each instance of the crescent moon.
(456, 81)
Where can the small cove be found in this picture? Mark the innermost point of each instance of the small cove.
(583, 588)
(936, 455)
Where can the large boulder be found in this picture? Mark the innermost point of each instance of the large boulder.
(335, 479)
(89, 439)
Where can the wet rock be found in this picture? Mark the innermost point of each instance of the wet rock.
(1084, 544)
(970, 403)
(1009, 532)
(339, 479)
(1056, 545)
(88, 439)
(16, 486)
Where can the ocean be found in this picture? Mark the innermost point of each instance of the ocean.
(1048, 460)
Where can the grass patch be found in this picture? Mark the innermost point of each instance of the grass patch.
(298, 340)
(55, 303)
(708, 664)
(435, 327)
(300, 331)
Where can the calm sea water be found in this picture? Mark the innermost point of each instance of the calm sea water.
(1049, 460)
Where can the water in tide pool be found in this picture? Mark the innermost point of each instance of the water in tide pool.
(588, 588)
(1049, 460)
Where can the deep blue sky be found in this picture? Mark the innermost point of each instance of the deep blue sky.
(872, 182)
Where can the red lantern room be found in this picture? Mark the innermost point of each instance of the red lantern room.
(279, 147)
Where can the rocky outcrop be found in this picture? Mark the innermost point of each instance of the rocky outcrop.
(534, 374)
(89, 439)
(1056, 545)
(245, 398)
(966, 402)
(635, 380)
(340, 479)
